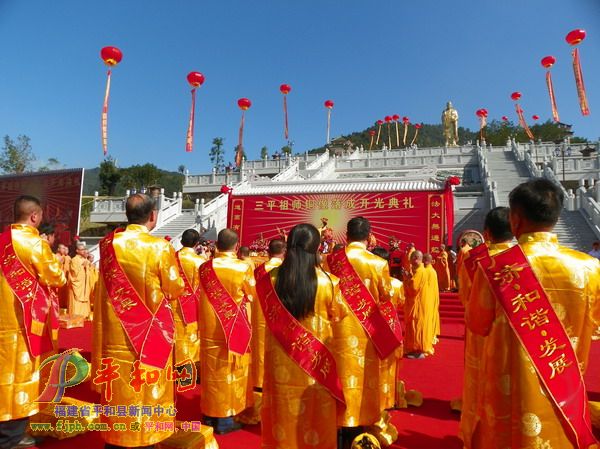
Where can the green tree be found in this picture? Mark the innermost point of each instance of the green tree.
(286, 149)
(51, 164)
(217, 153)
(138, 176)
(181, 169)
(264, 152)
(109, 176)
(16, 157)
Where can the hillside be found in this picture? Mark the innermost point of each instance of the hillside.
(134, 177)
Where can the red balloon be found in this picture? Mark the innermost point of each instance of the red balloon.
(515, 96)
(505, 118)
(396, 117)
(226, 189)
(535, 117)
(419, 125)
(388, 118)
(380, 122)
(196, 79)
(111, 55)
(575, 37)
(285, 89)
(244, 104)
(328, 104)
(479, 113)
(405, 119)
(548, 61)
(372, 133)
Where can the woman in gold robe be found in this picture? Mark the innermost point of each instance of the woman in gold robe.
(297, 411)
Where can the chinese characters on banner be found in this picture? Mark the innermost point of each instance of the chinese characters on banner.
(60, 194)
(411, 216)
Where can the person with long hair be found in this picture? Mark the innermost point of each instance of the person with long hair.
(301, 389)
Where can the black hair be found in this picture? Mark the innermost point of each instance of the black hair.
(190, 238)
(24, 206)
(498, 224)
(244, 251)
(276, 247)
(296, 283)
(358, 229)
(227, 239)
(138, 208)
(381, 252)
(539, 200)
(46, 228)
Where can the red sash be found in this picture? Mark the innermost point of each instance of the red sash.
(151, 335)
(298, 342)
(36, 300)
(188, 301)
(259, 272)
(379, 322)
(475, 255)
(544, 338)
(233, 318)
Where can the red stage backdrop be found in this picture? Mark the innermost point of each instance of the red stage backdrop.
(422, 217)
(60, 194)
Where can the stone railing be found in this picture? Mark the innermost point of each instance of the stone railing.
(405, 160)
(319, 161)
(433, 151)
(489, 186)
(289, 173)
(569, 202)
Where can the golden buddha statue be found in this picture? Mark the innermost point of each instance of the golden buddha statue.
(450, 125)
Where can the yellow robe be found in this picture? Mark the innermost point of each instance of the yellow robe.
(258, 332)
(150, 266)
(513, 409)
(92, 282)
(443, 271)
(419, 326)
(433, 300)
(463, 251)
(359, 365)
(226, 379)
(187, 340)
(406, 265)
(63, 292)
(79, 294)
(473, 352)
(19, 375)
(297, 412)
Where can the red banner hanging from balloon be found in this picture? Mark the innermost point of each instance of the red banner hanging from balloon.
(417, 128)
(585, 110)
(523, 123)
(285, 89)
(244, 104)
(555, 116)
(189, 141)
(104, 121)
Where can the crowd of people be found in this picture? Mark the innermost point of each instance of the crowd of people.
(309, 343)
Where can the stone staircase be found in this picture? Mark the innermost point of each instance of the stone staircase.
(176, 226)
(574, 232)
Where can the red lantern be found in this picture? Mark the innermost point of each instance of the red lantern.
(244, 104)
(395, 117)
(405, 120)
(535, 117)
(225, 189)
(380, 122)
(285, 89)
(575, 37)
(111, 55)
(548, 61)
(328, 104)
(479, 113)
(372, 132)
(195, 79)
(515, 96)
(454, 180)
(504, 118)
(388, 118)
(418, 126)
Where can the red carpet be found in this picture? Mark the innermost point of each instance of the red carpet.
(431, 426)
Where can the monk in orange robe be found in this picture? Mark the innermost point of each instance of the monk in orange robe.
(434, 298)
(225, 375)
(462, 253)
(147, 265)
(442, 269)
(406, 264)
(497, 236)
(187, 337)
(19, 366)
(514, 408)
(79, 284)
(64, 259)
(420, 329)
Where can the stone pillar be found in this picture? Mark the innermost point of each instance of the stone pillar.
(213, 175)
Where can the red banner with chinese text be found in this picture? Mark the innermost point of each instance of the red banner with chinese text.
(544, 339)
(421, 217)
(60, 194)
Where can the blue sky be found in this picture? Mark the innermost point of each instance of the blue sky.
(372, 58)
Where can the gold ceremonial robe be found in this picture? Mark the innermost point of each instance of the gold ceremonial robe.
(79, 294)
(433, 300)
(406, 265)
(359, 365)
(63, 292)
(298, 412)
(463, 251)
(19, 375)
(225, 376)
(473, 352)
(389, 365)
(513, 409)
(258, 332)
(418, 322)
(443, 271)
(150, 266)
(93, 275)
(187, 340)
